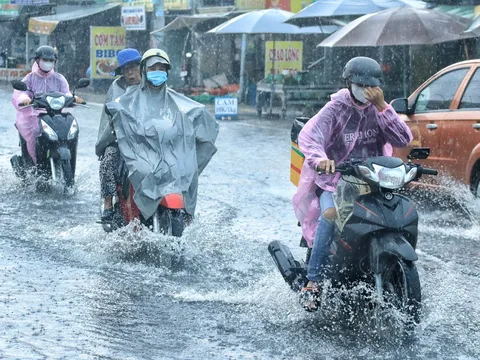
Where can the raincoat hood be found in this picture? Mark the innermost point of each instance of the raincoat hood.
(166, 140)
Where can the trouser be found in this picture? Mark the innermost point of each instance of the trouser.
(322, 241)
(108, 168)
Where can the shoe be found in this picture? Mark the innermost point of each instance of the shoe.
(107, 215)
(309, 298)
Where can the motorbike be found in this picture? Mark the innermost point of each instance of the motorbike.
(56, 146)
(375, 236)
(170, 217)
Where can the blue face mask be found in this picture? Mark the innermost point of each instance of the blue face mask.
(157, 77)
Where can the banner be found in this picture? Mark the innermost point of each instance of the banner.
(105, 43)
(8, 10)
(12, 74)
(176, 5)
(283, 56)
(251, 4)
(289, 5)
(133, 18)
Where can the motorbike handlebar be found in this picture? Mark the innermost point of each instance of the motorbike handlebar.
(428, 171)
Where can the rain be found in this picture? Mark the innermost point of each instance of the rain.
(243, 78)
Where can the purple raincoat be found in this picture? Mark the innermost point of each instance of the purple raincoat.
(27, 119)
(341, 130)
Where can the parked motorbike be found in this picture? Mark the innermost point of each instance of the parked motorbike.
(375, 236)
(56, 146)
(170, 218)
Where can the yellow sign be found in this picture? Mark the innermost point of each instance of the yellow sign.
(105, 43)
(250, 4)
(176, 5)
(283, 56)
(297, 5)
(147, 3)
(41, 27)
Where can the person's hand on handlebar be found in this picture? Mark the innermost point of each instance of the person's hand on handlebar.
(79, 100)
(25, 102)
(326, 166)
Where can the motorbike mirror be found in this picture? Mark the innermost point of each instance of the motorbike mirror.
(419, 153)
(19, 85)
(188, 54)
(84, 82)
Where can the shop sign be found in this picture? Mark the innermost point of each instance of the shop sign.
(8, 10)
(285, 57)
(105, 43)
(289, 5)
(133, 18)
(29, 2)
(251, 4)
(176, 5)
(12, 74)
(226, 108)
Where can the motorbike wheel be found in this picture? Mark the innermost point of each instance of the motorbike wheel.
(67, 173)
(177, 222)
(401, 288)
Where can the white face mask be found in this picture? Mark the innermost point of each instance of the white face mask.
(46, 65)
(359, 93)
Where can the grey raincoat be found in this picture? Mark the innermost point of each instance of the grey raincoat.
(166, 140)
(105, 134)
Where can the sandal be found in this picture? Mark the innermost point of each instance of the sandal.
(309, 298)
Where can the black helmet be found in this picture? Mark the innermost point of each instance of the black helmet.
(364, 71)
(46, 52)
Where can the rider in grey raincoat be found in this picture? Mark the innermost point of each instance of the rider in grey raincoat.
(165, 138)
(106, 147)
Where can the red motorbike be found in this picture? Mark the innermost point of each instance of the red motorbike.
(170, 218)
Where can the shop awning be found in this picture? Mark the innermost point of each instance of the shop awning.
(45, 25)
(190, 20)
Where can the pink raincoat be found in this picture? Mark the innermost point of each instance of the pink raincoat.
(340, 131)
(27, 119)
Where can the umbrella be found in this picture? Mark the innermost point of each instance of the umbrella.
(270, 21)
(400, 26)
(325, 10)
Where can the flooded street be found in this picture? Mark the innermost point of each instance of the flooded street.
(70, 291)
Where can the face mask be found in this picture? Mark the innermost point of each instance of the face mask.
(46, 65)
(359, 93)
(157, 77)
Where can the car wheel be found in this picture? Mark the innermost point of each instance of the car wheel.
(476, 185)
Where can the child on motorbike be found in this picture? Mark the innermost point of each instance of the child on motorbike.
(355, 124)
(42, 79)
(106, 147)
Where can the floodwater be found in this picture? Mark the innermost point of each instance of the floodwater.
(70, 291)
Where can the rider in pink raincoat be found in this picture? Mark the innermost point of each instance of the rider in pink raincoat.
(42, 79)
(356, 123)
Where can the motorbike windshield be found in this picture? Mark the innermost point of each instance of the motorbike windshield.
(166, 140)
(348, 189)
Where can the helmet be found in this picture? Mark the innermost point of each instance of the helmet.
(125, 57)
(46, 52)
(364, 71)
(155, 52)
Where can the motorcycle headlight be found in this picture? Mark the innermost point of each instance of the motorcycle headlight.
(52, 135)
(73, 130)
(391, 178)
(385, 177)
(56, 103)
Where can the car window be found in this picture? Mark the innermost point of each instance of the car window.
(439, 93)
(471, 96)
